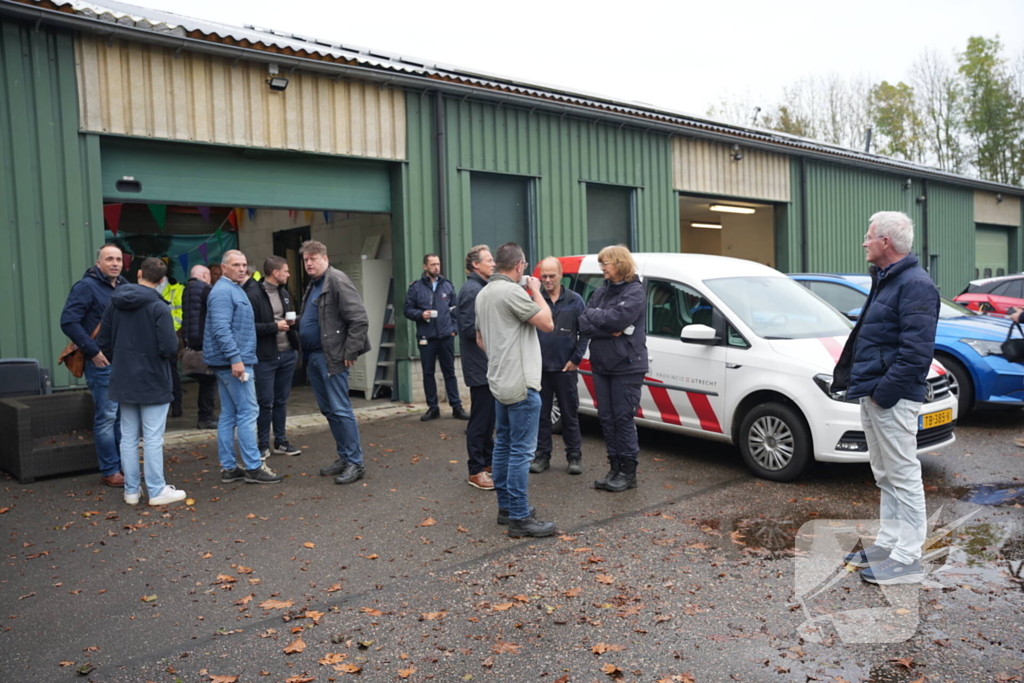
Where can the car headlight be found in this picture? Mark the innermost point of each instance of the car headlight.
(985, 348)
(824, 382)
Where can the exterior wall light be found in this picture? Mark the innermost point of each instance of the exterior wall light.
(277, 83)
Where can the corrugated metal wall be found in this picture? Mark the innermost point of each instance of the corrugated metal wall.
(1005, 210)
(951, 236)
(703, 167)
(51, 216)
(840, 202)
(130, 88)
(562, 154)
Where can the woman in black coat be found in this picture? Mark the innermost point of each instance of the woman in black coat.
(615, 321)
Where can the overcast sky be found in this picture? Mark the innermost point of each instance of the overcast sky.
(676, 55)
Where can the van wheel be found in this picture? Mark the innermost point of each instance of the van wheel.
(556, 416)
(775, 442)
(960, 384)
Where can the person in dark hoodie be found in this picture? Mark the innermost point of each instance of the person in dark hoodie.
(429, 303)
(80, 320)
(193, 325)
(138, 337)
(615, 321)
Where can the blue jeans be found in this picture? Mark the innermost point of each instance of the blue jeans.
(105, 430)
(147, 422)
(440, 349)
(331, 393)
(515, 440)
(273, 386)
(238, 408)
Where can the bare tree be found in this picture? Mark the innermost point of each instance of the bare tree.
(940, 104)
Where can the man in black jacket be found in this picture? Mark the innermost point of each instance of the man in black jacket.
(429, 303)
(480, 430)
(193, 323)
(138, 338)
(276, 353)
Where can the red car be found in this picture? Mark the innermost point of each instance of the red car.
(994, 295)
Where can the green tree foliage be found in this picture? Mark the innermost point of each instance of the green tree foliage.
(896, 121)
(994, 118)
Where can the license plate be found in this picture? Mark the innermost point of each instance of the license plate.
(938, 419)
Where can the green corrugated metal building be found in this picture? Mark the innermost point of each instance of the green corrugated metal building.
(434, 160)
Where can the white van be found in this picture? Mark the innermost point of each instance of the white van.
(741, 353)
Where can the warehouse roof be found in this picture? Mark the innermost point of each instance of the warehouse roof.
(296, 51)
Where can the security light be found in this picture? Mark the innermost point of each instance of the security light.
(277, 83)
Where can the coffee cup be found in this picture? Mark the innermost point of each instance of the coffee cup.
(290, 316)
(433, 314)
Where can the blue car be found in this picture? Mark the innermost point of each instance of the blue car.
(968, 344)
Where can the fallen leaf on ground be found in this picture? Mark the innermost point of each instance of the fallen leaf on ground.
(429, 521)
(223, 679)
(66, 663)
(573, 592)
(148, 598)
(502, 647)
(332, 658)
(905, 662)
(372, 557)
(371, 611)
(314, 615)
(246, 600)
(244, 570)
(225, 578)
(297, 645)
(503, 607)
(277, 604)
(430, 616)
(4, 510)
(605, 578)
(601, 648)
(405, 673)
(612, 670)
(348, 668)
(333, 589)
(300, 678)
(307, 544)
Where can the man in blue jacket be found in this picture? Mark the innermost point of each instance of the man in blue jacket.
(80, 321)
(561, 352)
(430, 302)
(885, 364)
(229, 348)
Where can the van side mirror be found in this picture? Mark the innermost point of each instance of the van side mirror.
(699, 334)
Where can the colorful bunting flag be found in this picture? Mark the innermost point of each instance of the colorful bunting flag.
(233, 220)
(309, 216)
(112, 215)
(327, 216)
(159, 212)
(204, 252)
(252, 214)
(239, 215)
(127, 260)
(204, 211)
(183, 260)
(291, 213)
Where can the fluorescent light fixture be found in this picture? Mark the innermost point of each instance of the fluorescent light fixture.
(713, 226)
(725, 208)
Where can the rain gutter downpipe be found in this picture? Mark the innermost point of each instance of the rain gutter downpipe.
(442, 185)
(925, 253)
(804, 228)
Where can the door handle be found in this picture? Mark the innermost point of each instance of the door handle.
(733, 366)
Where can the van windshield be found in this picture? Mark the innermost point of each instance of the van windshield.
(779, 308)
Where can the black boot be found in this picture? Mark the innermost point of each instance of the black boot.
(541, 461)
(531, 526)
(602, 483)
(334, 469)
(625, 478)
(503, 515)
(575, 462)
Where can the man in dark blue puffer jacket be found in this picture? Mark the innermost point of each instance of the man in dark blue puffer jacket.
(885, 364)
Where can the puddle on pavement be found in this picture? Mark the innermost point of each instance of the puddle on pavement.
(770, 536)
(994, 495)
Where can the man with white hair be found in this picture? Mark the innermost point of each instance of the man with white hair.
(193, 302)
(885, 364)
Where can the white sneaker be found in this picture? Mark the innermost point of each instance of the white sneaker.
(131, 498)
(168, 495)
(265, 453)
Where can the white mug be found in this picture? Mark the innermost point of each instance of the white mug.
(290, 316)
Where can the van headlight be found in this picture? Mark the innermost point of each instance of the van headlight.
(985, 348)
(824, 382)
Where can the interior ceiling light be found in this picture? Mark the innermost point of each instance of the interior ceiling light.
(725, 208)
(713, 226)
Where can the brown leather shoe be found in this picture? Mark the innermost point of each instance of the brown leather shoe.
(115, 480)
(482, 481)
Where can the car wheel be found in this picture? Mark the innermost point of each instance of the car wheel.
(960, 384)
(775, 442)
(556, 416)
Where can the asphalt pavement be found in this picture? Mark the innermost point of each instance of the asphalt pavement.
(703, 573)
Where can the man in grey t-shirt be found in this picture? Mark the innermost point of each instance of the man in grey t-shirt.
(507, 320)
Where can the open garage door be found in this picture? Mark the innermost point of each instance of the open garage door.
(723, 227)
(142, 171)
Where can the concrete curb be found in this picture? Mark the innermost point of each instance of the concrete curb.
(310, 422)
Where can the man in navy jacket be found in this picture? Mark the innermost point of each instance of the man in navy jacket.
(561, 352)
(80, 318)
(430, 302)
(885, 364)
